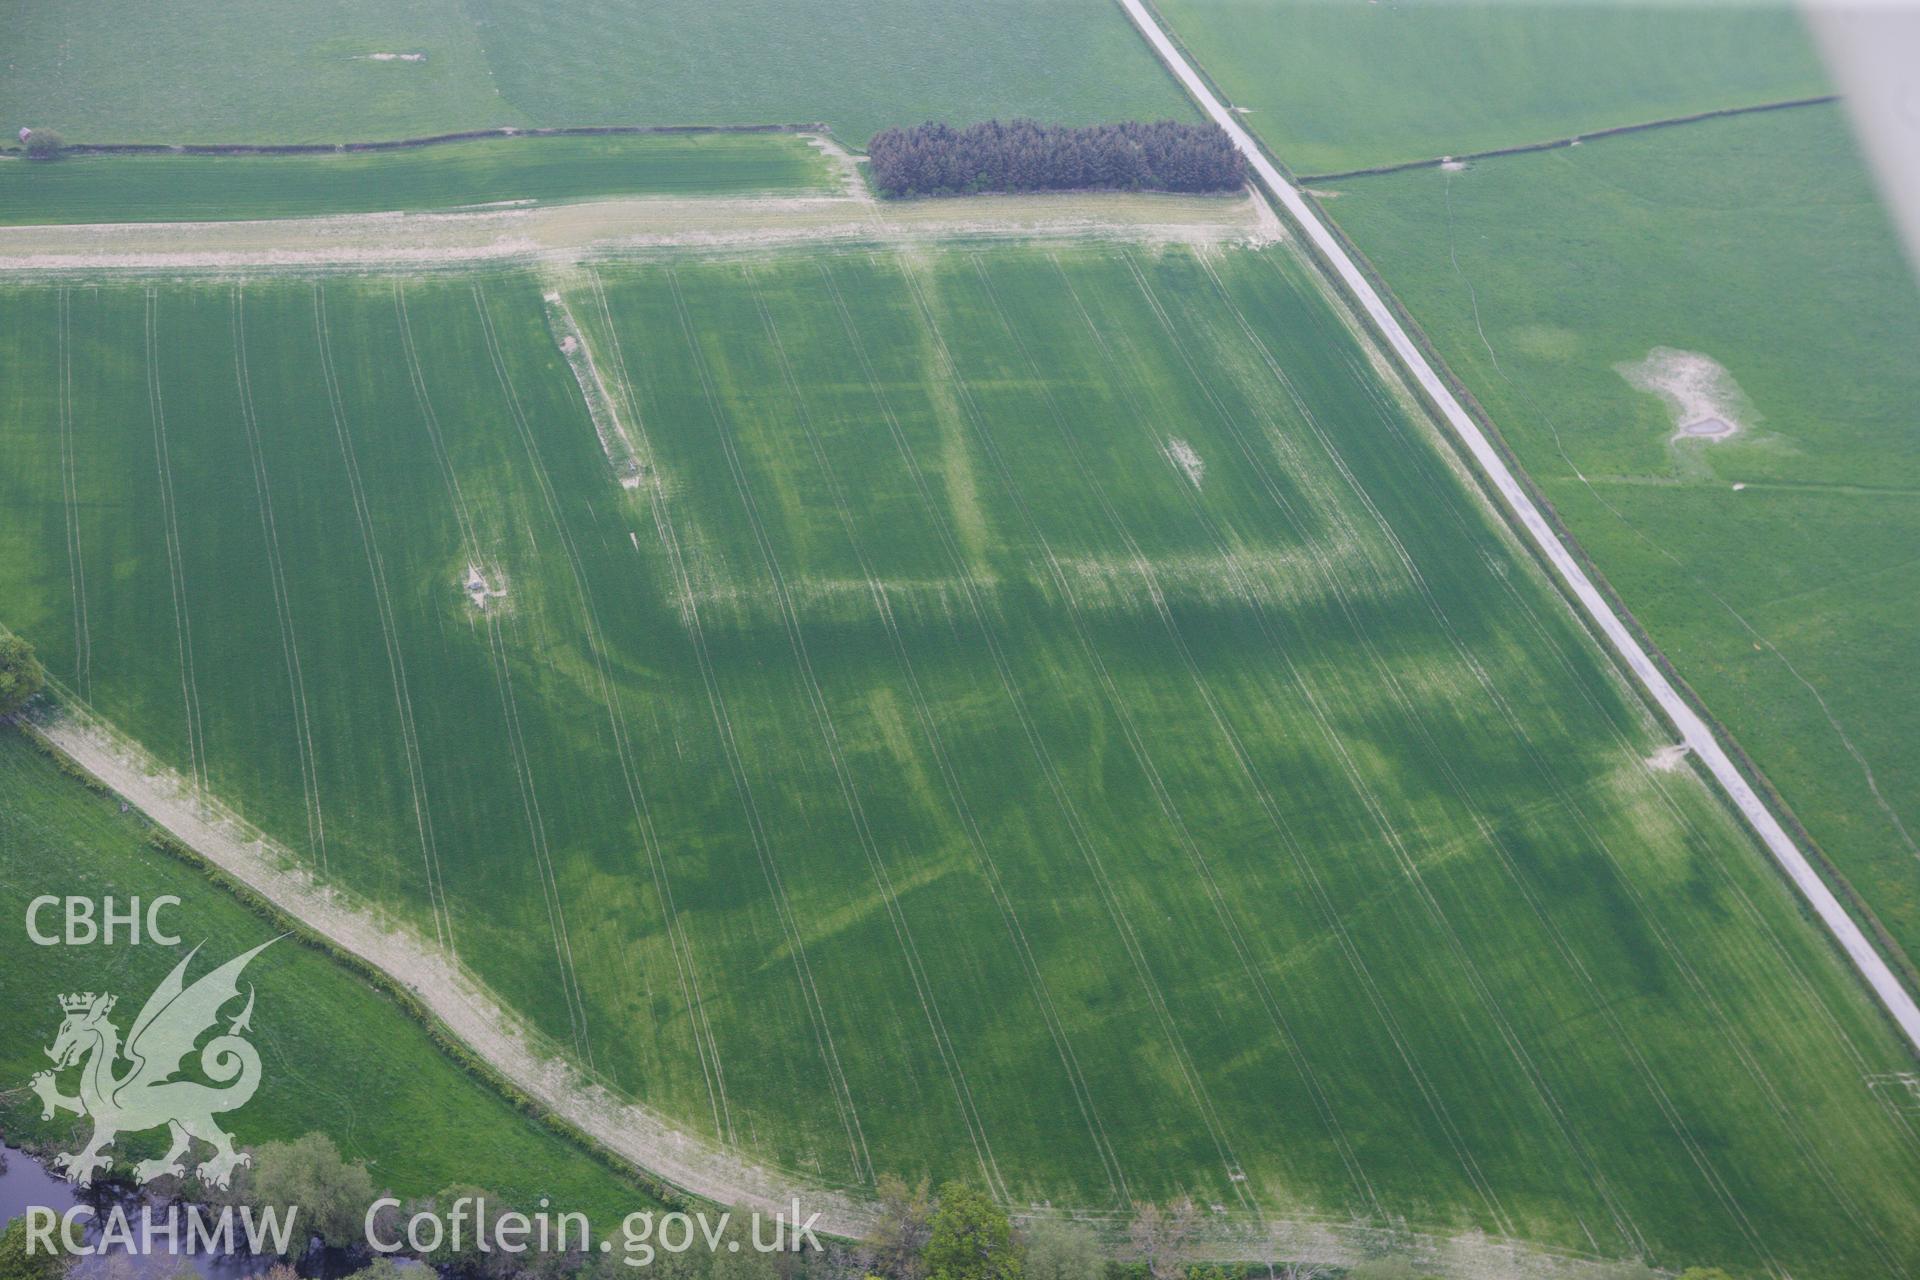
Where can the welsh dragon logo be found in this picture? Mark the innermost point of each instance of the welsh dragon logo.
(146, 1094)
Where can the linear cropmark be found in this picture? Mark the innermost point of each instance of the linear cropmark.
(927, 766)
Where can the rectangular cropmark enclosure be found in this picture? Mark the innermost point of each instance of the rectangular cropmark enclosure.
(1055, 717)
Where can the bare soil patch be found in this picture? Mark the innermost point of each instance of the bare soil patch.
(1668, 759)
(1704, 400)
(628, 466)
(846, 165)
(1183, 456)
(482, 588)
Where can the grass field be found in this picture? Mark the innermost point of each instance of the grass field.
(176, 188)
(1777, 568)
(339, 1057)
(247, 71)
(1347, 84)
(254, 71)
(859, 66)
(1040, 717)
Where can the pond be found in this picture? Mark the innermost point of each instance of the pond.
(25, 1183)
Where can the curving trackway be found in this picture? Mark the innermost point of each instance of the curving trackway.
(1693, 730)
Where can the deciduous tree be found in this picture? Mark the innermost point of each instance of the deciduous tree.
(331, 1193)
(971, 1238)
(21, 676)
(1163, 1236)
(893, 1248)
(43, 144)
(1063, 1251)
(17, 1263)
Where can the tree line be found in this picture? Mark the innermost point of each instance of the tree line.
(935, 159)
(955, 1233)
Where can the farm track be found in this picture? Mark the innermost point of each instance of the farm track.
(595, 229)
(416, 964)
(1694, 730)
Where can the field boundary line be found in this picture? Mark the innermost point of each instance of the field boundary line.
(1487, 459)
(1571, 140)
(1682, 961)
(1846, 740)
(1890, 948)
(410, 144)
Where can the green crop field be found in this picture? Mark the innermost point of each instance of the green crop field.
(1347, 84)
(858, 66)
(1044, 717)
(198, 188)
(340, 1057)
(247, 71)
(255, 71)
(1776, 568)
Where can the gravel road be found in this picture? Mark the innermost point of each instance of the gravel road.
(1693, 730)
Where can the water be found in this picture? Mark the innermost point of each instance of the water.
(25, 1183)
